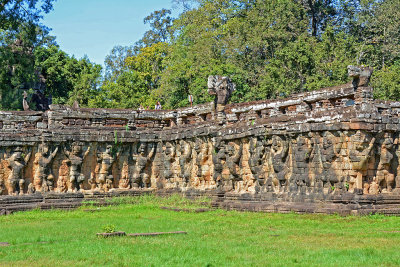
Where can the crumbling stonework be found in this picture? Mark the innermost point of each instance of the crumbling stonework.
(317, 145)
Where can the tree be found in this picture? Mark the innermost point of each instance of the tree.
(65, 78)
(17, 62)
(15, 12)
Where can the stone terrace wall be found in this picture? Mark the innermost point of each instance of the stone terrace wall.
(317, 145)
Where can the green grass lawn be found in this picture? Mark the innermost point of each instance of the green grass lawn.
(215, 238)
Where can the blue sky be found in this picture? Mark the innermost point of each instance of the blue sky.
(94, 27)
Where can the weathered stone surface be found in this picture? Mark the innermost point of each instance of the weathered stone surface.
(315, 146)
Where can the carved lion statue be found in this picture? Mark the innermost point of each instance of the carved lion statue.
(360, 75)
(221, 87)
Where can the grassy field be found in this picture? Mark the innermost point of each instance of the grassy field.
(215, 238)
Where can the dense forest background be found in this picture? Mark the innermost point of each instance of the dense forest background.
(270, 48)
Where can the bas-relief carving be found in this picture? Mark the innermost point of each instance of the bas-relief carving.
(325, 162)
(360, 147)
(232, 165)
(185, 161)
(124, 181)
(203, 178)
(169, 159)
(104, 176)
(75, 159)
(257, 160)
(63, 174)
(302, 149)
(278, 159)
(330, 145)
(142, 158)
(384, 173)
(43, 179)
(16, 164)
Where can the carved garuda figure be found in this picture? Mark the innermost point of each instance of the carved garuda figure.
(142, 161)
(360, 148)
(278, 159)
(185, 161)
(75, 157)
(43, 179)
(202, 162)
(168, 161)
(257, 160)
(16, 163)
(330, 151)
(233, 159)
(222, 88)
(219, 159)
(105, 161)
(360, 75)
(384, 174)
(302, 150)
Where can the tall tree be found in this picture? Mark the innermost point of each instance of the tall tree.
(15, 12)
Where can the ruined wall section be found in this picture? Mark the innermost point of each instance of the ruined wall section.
(332, 141)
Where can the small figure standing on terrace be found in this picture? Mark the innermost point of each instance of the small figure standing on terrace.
(141, 108)
(158, 106)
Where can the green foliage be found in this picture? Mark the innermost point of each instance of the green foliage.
(66, 78)
(270, 49)
(15, 12)
(109, 228)
(30, 59)
(386, 82)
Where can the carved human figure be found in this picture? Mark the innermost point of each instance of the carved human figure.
(124, 181)
(105, 161)
(222, 88)
(75, 157)
(233, 164)
(302, 150)
(185, 161)
(92, 182)
(202, 159)
(17, 163)
(360, 148)
(168, 160)
(42, 166)
(142, 160)
(219, 159)
(374, 187)
(384, 175)
(63, 173)
(278, 160)
(257, 160)
(31, 189)
(330, 151)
